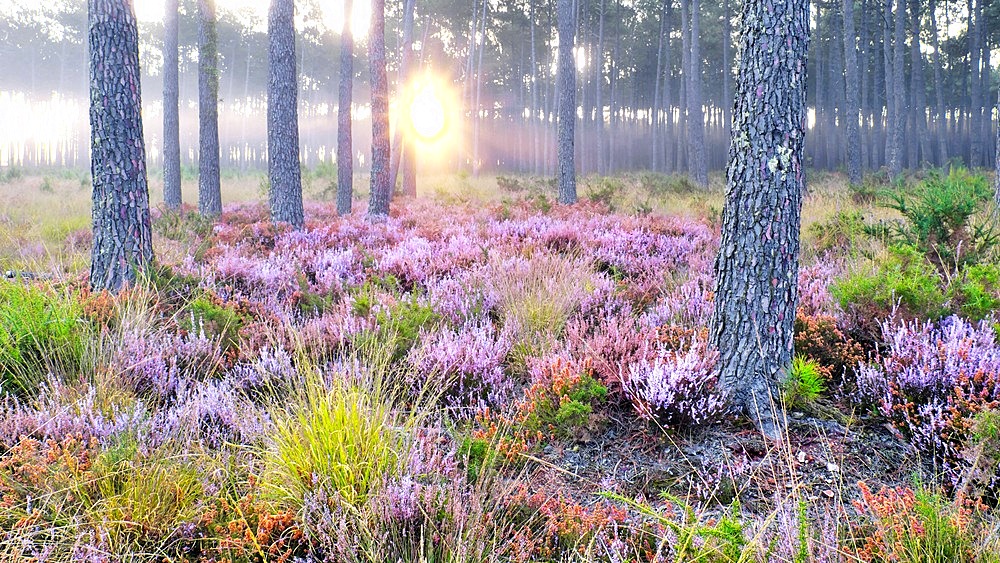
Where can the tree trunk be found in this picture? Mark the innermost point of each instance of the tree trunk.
(209, 188)
(696, 121)
(655, 109)
(567, 102)
(381, 187)
(996, 163)
(757, 268)
(601, 132)
(345, 148)
(402, 147)
(283, 167)
(536, 140)
(123, 235)
(891, 151)
(975, 86)
(940, 122)
(853, 102)
(477, 118)
(409, 149)
(171, 104)
(899, 86)
(918, 86)
(727, 66)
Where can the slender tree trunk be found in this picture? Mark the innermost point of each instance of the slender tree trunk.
(996, 163)
(171, 104)
(655, 156)
(684, 147)
(727, 65)
(401, 146)
(283, 166)
(919, 85)
(601, 131)
(891, 151)
(567, 103)
(381, 186)
(941, 123)
(696, 122)
(345, 148)
(852, 108)
(899, 86)
(123, 235)
(756, 289)
(209, 188)
(477, 118)
(975, 85)
(536, 156)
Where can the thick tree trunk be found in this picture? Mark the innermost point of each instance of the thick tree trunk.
(698, 168)
(123, 236)
(853, 102)
(283, 167)
(381, 186)
(757, 268)
(940, 122)
(171, 118)
(345, 148)
(567, 102)
(209, 188)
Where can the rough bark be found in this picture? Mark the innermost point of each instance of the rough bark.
(727, 62)
(698, 168)
(567, 102)
(918, 88)
(381, 187)
(123, 242)
(345, 148)
(899, 87)
(283, 167)
(171, 118)
(853, 100)
(209, 188)
(757, 267)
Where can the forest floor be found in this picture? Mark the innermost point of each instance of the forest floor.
(486, 376)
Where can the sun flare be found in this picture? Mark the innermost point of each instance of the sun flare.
(427, 114)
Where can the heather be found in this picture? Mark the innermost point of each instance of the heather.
(495, 380)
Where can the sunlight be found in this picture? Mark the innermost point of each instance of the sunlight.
(256, 10)
(427, 116)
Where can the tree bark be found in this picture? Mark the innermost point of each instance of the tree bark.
(209, 188)
(996, 163)
(171, 104)
(899, 86)
(567, 102)
(696, 121)
(853, 102)
(975, 86)
(381, 187)
(757, 268)
(345, 148)
(918, 87)
(123, 241)
(727, 65)
(283, 166)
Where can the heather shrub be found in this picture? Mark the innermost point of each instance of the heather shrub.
(931, 381)
(209, 317)
(561, 401)
(819, 338)
(467, 365)
(901, 284)
(975, 292)
(40, 332)
(608, 342)
(678, 387)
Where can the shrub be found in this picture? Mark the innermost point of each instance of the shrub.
(931, 382)
(976, 291)
(466, 365)
(40, 332)
(839, 232)
(209, 316)
(819, 338)
(560, 401)
(678, 387)
(937, 217)
(903, 283)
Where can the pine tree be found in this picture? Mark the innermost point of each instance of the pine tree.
(123, 241)
(209, 186)
(345, 148)
(567, 102)
(283, 167)
(381, 187)
(171, 118)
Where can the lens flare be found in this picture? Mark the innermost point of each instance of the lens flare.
(427, 114)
